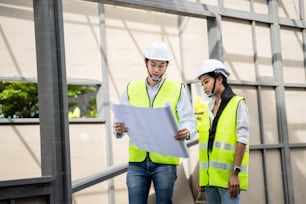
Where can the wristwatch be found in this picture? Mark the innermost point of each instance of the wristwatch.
(237, 169)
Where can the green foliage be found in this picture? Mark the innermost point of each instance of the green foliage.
(77, 90)
(75, 93)
(19, 99)
(91, 109)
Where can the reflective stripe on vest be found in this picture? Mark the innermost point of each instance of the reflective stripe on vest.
(216, 167)
(220, 166)
(222, 145)
(169, 92)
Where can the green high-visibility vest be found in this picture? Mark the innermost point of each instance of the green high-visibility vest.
(169, 92)
(216, 166)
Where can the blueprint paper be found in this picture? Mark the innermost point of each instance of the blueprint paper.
(151, 129)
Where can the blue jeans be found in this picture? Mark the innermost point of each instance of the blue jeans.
(139, 178)
(218, 195)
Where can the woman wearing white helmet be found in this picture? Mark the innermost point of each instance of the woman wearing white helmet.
(223, 138)
(214, 68)
(155, 91)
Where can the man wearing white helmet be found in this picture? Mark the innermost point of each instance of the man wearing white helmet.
(154, 91)
(223, 138)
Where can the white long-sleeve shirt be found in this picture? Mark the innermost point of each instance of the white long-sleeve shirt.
(183, 108)
(242, 127)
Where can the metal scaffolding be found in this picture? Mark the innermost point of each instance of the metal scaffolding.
(55, 185)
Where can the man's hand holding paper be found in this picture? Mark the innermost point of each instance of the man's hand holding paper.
(152, 129)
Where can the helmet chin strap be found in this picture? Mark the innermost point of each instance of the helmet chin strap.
(211, 94)
(156, 79)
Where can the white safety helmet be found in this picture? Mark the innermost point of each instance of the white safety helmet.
(158, 50)
(213, 65)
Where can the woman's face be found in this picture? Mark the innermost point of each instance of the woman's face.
(211, 85)
(207, 82)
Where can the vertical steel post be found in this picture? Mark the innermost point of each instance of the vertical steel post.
(215, 37)
(281, 106)
(52, 94)
(104, 101)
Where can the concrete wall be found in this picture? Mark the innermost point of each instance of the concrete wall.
(128, 33)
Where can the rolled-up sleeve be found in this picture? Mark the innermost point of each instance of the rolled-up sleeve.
(242, 125)
(186, 115)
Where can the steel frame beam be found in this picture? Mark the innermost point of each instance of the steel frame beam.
(55, 149)
(52, 94)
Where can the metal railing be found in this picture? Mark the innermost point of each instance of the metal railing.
(108, 173)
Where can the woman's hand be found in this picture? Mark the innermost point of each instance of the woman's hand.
(234, 185)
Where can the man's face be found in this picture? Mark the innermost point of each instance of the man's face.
(157, 68)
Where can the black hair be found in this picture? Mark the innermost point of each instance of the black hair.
(216, 75)
(146, 60)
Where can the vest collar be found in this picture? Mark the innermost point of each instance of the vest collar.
(225, 98)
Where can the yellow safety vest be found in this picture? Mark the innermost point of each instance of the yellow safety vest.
(216, 166)
(169, 92)
(199, 109)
